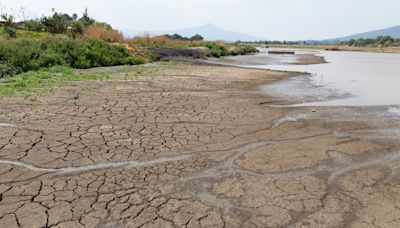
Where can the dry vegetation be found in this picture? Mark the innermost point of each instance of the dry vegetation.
(147, 40)
(102, 33)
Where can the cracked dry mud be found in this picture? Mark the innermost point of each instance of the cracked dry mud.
(191, 145)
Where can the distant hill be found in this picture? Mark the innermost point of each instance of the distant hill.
(208, 31)
(392, 31)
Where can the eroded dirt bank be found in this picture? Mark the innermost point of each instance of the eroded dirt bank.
(262, 59)
(186, 145)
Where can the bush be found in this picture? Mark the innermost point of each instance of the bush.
(34, 25)
(217, 50)
(7, 21)
(49, 58)
(23, 55)
(75, 29)
(7, 70)
(243, 50)
(10, 32)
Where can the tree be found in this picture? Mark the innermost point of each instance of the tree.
(34, 25)
(197, 37)
(7, 18)
(176, 36)
(86, 19)
(75, 29)
(58, 23)
(8, 21)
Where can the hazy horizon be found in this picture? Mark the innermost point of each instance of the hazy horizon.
(270, 19)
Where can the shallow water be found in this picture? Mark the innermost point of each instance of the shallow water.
(7, 125)
(395, 110)
(348, 79)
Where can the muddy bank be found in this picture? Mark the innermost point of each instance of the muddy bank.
(179, 53)
(308, 59)
(192, 145)
(266, 59)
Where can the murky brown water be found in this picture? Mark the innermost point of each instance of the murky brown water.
(349, 79)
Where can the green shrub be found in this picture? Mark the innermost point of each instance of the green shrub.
(10, 32)
(26, 55)
(243, 50)
(7, 21)
(34, 25)
(7, 70)
(49, 58)
(217, 50)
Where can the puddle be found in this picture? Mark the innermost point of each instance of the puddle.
(7, 125)
(394, 110)
(304, 88)
(288, 118)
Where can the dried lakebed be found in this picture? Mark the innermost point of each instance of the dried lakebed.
(165, 148)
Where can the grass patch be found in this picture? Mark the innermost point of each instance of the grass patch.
(170, 63)
(135, 73)
(140, 70)
(34, 83)
(145, 70)
(25, 34)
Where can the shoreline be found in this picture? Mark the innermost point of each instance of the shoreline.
(389, 50)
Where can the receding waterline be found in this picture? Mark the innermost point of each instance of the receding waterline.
(7, 125)
(348, 79)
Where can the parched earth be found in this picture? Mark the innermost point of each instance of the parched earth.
(190, 145)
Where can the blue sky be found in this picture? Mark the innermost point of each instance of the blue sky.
(270, 19)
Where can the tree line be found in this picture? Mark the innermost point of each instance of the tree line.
(57, 23)
(176, 36)
(380, 41)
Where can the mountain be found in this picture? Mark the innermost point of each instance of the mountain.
(392, 31)
(208, 31)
